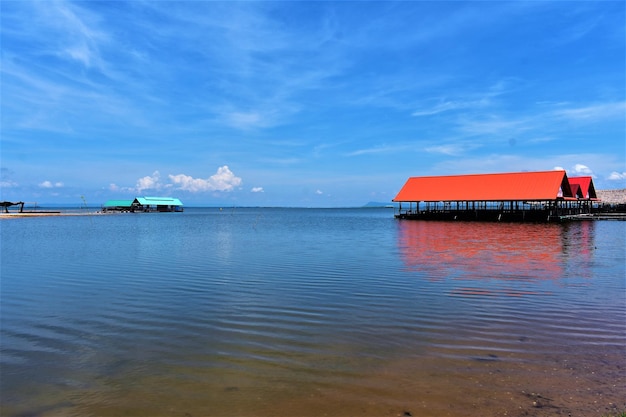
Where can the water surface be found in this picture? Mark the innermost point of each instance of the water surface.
(308, 312)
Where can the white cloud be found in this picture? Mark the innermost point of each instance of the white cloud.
(7, 184)
(149, 182)
(578, 169)
(617, 176)
(582, 169)
(222, 180)
(50, 184)
(319, 192)
(117, 188)
(257, 190)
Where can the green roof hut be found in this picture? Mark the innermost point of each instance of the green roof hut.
(159, 204)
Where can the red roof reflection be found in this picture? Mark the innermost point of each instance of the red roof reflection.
(483, 251)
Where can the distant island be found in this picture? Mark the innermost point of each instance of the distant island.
(372, 204)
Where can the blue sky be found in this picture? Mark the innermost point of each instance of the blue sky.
(303, 103)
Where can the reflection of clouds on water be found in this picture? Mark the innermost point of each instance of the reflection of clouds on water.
(505, 254)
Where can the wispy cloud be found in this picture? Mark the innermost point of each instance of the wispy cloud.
(594, 112)
(468, 101)
(450, 149)
(281, 161)
(597, 165)
(82, 43)
(287, 91)
(495, 125)
(444, 106)
(617, 176)
(7, 183)
(6, 179)
(533, 124)
(382, 149)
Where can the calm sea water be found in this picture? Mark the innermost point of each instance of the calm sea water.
(309, 312)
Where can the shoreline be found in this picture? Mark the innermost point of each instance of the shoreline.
(601, 215)
(47, 214)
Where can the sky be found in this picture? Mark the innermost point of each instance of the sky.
(303, 103)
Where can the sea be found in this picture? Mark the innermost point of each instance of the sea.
(310, 312)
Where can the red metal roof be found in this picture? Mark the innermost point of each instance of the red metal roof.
(576, 191)
(587, 190)
(520, 186)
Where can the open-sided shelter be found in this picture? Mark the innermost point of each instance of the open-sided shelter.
(162, 204)
(584, 186)
(536, 196)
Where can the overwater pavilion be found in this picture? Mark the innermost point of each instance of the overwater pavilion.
(145, 204)
(161, 204)
(520, 196)
(585, 192)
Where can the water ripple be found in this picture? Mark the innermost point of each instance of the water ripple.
(272, 303)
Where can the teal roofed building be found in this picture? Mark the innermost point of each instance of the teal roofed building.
(145, 204)
(118, 205)
(160, 204)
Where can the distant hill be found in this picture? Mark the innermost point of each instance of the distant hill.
(379, 204)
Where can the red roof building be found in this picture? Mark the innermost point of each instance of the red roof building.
(585, 187)
(507, 195)
(518, 186)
